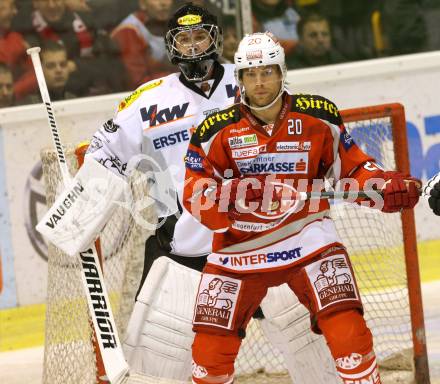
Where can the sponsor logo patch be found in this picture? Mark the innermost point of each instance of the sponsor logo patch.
(114, 162)
(243, 141)
(262, 258)
(213, 119)
(307, 102)
(240, 130)
(210, 111)
(135, 95)
(254, 55)
(110, 126)
(332, 281)
(233, 91)
(281, 163)
(193, 161)
(155, 116)
(294, 146)
(171, 139)
(349, 362)
(198, 371)
(248, 152)
(346, 140)
(216, 301)
(189, 20)
(94, 145)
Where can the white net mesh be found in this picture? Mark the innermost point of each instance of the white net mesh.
(374, 242)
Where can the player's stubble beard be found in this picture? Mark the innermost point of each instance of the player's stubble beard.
(264, 95)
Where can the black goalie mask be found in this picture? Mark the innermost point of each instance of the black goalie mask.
(194, 41)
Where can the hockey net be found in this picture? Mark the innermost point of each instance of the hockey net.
(382, 249)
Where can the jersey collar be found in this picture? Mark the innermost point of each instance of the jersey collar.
(218, 72)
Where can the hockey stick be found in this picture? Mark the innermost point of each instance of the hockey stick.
(104, 324)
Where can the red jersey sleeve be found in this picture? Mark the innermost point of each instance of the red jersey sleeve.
(203, 176)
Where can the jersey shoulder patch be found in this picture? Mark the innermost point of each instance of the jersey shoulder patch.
(129, 100)
(217, 121)
(316, 106)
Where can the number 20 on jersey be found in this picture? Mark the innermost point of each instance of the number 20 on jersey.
(294, 126)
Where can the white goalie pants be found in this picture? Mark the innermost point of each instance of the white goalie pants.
(159, 334)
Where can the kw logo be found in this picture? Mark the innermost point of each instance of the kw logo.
(155, 117)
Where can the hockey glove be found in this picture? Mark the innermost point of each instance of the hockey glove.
(245, 190)
(434, 198)
(399, 191)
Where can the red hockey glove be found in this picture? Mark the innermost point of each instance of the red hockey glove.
(399, 191)
(245, 190)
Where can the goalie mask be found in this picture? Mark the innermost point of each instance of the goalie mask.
(194, 41)
(260, 51)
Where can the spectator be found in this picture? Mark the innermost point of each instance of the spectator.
(6, 87)
(351, 24)
(278, 17)
(102, 14)
(140, 38)
(404, 26)
(56, 70)
(315, 45)
(230, 39)
(13, 52)
(52, 20)
(91, 53)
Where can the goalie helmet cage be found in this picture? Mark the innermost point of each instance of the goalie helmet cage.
(382, 247)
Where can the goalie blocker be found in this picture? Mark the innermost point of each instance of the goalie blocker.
(83, 208)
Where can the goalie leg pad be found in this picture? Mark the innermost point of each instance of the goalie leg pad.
(287, 327)
(351, 344)
(159, 333)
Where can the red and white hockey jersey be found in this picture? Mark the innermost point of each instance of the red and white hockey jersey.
(151, 131)
(308, 142)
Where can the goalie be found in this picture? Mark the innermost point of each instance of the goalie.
(151, 131)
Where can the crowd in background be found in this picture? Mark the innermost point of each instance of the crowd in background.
(94, 47)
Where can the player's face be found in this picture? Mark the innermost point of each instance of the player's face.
(316, 38)
(51, 10)
(6, 89)
(55, 68)
(157, 9)
(193, 42)
(261, 84)
(7, 13)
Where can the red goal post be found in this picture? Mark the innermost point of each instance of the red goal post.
(396, 113)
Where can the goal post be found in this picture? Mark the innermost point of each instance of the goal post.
(382, 247)
(396, 113)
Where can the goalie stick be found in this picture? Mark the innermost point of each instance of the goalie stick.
(98, 301)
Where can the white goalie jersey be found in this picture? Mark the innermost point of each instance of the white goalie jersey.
(151, 131)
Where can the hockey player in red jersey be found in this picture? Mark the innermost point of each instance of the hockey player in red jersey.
(244, 165)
